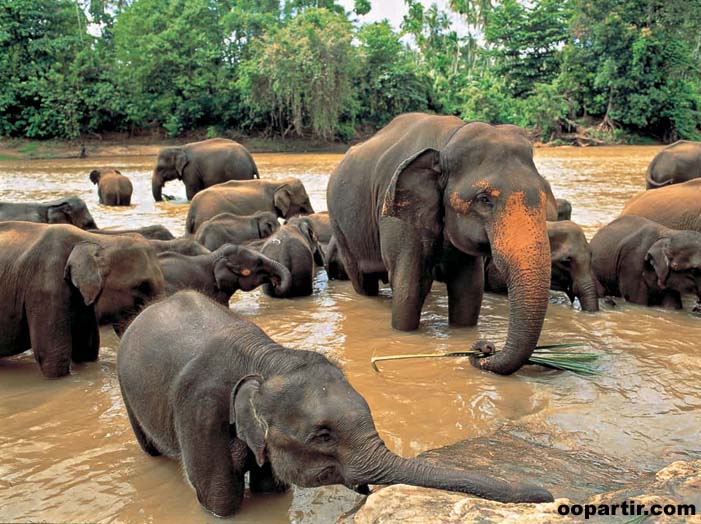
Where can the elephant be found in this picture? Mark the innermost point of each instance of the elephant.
(571, 270)
(201, 165)
(155, 232)
(70, 210)
(333, 262)
(113, 188)
(227, 400)
(431, 189)
(677, 206)
(221, 273)
(285, 198)
(58, 280)
(227, 228)
(184, 246)
(678, 162)
(564, 209)
(322, 226)
(647, 263)
(295, 246)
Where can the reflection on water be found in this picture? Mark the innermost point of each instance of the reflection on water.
(68, 453)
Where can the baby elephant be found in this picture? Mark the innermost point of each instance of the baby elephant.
(221, 273)
(227, 399)
(647, 263)
(228, 228)
(296, 247)
(113, 188)
(571, 269)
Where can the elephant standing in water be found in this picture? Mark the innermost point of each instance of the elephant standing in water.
(571, 270)
(58, 281)
(678, 162)
(227, 399)
(70, 210)
(113, 188)
(677, 206)
(201, 165)
(429, 190)
(646, 263)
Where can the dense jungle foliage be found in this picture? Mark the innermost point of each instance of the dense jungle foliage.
(310, 68)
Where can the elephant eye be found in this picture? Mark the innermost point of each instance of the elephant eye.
(144, 288)
(322, 436)
(484, 198)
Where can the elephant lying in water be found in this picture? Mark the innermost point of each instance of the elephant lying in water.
(571, 270)
(113, 188)
(227, 399)
(58, 280)
(221, 273)
(428, 190)
(70, 210)
(677, 206)
(228, 228)
(647, 263)
(155, 232)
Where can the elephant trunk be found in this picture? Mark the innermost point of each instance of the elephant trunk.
(521, 252)
(586, 290)
(156, 187)
(280, 271)
(378, 465)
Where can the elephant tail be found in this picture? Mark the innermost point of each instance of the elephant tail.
(653, 184)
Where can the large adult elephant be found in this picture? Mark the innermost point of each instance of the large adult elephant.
(677, 206)
(286, 198)
(429, 190)
(571, 268)
(70, 210)
(225, 399)
(678, 162)
(201, 165)
(59, 281)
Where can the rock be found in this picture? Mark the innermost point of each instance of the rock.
(325, 505)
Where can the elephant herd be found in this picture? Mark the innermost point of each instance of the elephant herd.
(426, 198)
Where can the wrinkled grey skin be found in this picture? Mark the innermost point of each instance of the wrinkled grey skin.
(571, 270)
(285, 198)
(70, 210)
(333, 262)
(155, 232)
(676, 163)
(295, 246)
(322, 226)
(58, 280)
(429, 190)
(677, 206)
(227, 399)
(564, 209)
(227, 228)
(202, 164)
(646, 263)
(184, 246)
(221, 273)
(113, 188)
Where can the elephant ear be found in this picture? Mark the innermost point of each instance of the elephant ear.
(59, 214)
(225, 276)
(95, 176)
(250, 426)
(658, 257)
(181, 160)
(83, 271)
(282, 200)
(415, 192)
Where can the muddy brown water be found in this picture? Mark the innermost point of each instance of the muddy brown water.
(67, 453)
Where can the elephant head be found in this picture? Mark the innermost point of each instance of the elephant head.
(564, 209)
(170, 164)
(118, 279)
(571, 264)
(483, 195)
(237, 267)
(96, 174)
(267, 223)
(676, 262)
(71, 210)
(305, 226)
(315, 430)
(291, 199)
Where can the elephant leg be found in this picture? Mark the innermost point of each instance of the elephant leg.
(202, 425)
(464, 276)
(263, 480)
(411, 283)
(85, 336)
(192, 188)
(50, 336)
(671, 299)
(141, 437)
